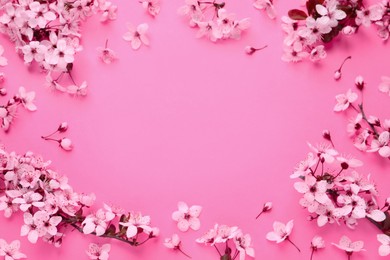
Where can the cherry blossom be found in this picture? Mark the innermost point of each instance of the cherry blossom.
(137, 223)
(316, 243)
(281, 232)
(98, 252)
(106, 54)
(384, 248)
(320, 22)
(244, 245)
(221, 235)
(27, 99)
(369, 133)
(174, 243)
(348, 246)
(213, 20)
(137, 36)
(11, 251)
(337, 194)
(345, 100)
(151, 6)
(266, 5)
(52, 207)
(187, 217)
(384, 86)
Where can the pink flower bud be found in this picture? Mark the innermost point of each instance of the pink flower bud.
(359, 82)
(249, 50)
(349, 30)
(66, 144)
(3, 91)
(63, 127)
(337, 75)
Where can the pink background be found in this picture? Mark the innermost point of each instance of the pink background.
(186, 119)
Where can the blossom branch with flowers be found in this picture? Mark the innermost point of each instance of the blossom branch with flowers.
(213, 20)
(48, 32)
(50, 206)
(9, 110)
(308, 31)
(369, 133)
(222, 236)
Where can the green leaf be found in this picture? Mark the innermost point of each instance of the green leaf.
(297, 14)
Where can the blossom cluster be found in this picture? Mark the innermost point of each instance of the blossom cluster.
(333, 191)
(222, 235)
(369, 133)
(50, 206)
(308, 31)
(213, 20)
(48, 32)
(9, 110)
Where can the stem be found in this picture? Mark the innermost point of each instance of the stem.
(49, 139)
(106, 44)
(312, 253)
(288, 239)
(70, 75)
(342, 64)
(366, 119)
(217, 250)
(259, 214)
(47, 136)
(261, 48)
(181, 251)
(337, 175)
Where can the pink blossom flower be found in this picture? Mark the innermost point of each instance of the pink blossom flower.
(109, 11)
(348, 246)
(33, 227)
(3, 60)
(78, 90)
(174, 243)
(106, 55)
(331, 12)
(281, 232)
(316, 243)
(385, 85)
(266, 5)
(137, 223)
(381, 145)
(152, 6)
(384, 248)
(244, 245)
(318, 53)
(366, 16)
(11, 251)
(137, 36)
(187, 217)
(313, 189)
(98, 252)
(97, 223)
(345, 100)
(27, 99)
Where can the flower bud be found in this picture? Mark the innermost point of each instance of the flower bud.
(3, 91)
(63, 127)
(359, 82)
(337, 74)
(66, 144)
(349, 30)
(250, 50)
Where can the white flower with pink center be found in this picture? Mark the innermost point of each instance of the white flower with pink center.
(187, 217)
